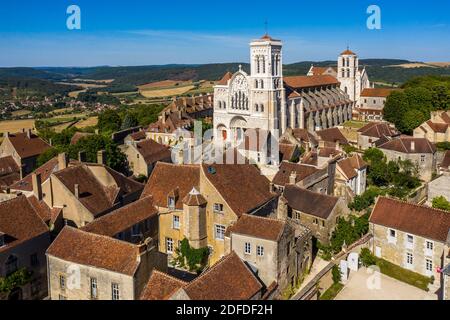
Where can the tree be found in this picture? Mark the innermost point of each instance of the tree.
(367, 259)
(336, 273)
(109, 121)
(129, 121)
(412, 119)
(441, 203)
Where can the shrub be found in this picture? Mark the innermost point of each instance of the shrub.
(336, 273)
(367, 258)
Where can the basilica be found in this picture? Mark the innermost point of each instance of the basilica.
(265, 100)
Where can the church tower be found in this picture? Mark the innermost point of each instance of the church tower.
(348, 73)
(266, 82)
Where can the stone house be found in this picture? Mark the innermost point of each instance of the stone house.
(301, 137)
(199, 202)
(444, 166)
(439, 187)
(437, 129)
(24, 237)
(351, 173)
(372, 103)
(318, 212)
(278, 251)
(411, 236)
(24, 148)
(419, 151)
(88, 266)
(229, 279)
(375, 133)
(134, 223)
(142, 156)
(331, 138)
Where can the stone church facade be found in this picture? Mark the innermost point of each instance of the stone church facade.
(265, 100)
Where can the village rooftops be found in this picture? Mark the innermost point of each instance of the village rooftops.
(411, 218)
(405, 144)
(123, 218)
(93, 250)
(152, 151)
(161, 286)
(376, 92)
(301, 171)
(309, 202)
(27, 144)
(349, 166)
(332, 135)
(378, 130)
(19, 222)
(258, 227)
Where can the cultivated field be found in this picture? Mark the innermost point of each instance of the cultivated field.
(175, 91)
(89, 122)
(13, 126)
(163, 84)
(19, 113)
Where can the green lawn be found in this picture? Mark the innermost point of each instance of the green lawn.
(404, 275)
(354, 124)
(332, 292)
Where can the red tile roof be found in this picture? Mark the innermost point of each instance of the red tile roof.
(299, 82)
(123, 218)
(89, 249)
(415, 219)
(152, 151)
(378, 130)
(45, 171)
(8, 165)
(28, 147)
(258, 227)
(287, 151)
(332, 135)
(405, 144)
(446, 161)
(161, 286)
(302, 171)
(309, 202)
(228, 279)
(348, 52)
(20, 222)
(224, 81)
(438, 127)
(377, 92)
(194, 198)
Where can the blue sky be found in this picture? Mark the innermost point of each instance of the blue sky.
(144, 32)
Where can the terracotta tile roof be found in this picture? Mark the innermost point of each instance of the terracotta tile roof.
(348, 52)
(45, 171)
(8, 165)
(446, 117)
(378, 130)
(357, 162)
(415, 219)
(136, 136)
(405, 144)
(328, 152)
(298, 82)
(377, 92)
(161, 286)
(446, 161)
(258, 227)
(89, 249)
(224, 81)
(332, 135)
(303, 135)
(19, 222)
(28, 147)
(194, 198)
(78, 136)
(228, 279)
(286, 168)
(152, 151)
(317, 71)
(287, 151)
(309, 202)
(7, 180)
(167, 177)
(438, 127)
(242, 186)
(126, 185)
(345, 166)
(123, 218)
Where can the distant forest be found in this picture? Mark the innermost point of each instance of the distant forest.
(126, 79)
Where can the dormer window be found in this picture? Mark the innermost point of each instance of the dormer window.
(171, 203)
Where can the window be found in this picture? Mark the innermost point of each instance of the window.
(115, 293)
(392, 233)
(218, 208)
(316, 221)
(248, 248)
(11, 265)
(219, 231)
(429, 245)
(428, 265)
(34, 261)
(62, 282)
(422, 158)
(171, 203)
(176, 222)
(409, 258)
(169, 245)
(260, 251)
(323, 223)
(410, 238)
(93, 288)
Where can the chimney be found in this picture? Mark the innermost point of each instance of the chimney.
(37, 185)
(21, 173)
(292, 177)
(76, 191)
(338, 145)
(413, 145)
(63, 161)
(29, 133)
(82, 156)
(101, 157)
